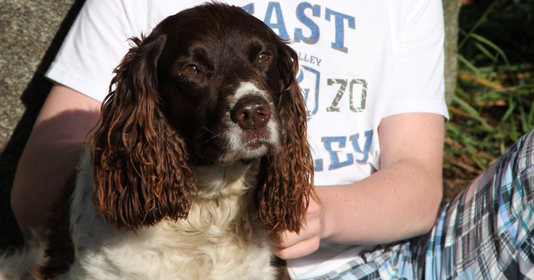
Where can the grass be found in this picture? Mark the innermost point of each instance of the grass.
(494, 98)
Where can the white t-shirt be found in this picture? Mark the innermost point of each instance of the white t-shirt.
(360, 61)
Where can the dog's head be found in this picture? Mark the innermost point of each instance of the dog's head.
(211, 85)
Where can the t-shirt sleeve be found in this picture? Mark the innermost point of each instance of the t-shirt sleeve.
(94, 47)
(418, 81)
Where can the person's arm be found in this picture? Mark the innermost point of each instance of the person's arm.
(53, 150)
(399, 201)
(97, 41)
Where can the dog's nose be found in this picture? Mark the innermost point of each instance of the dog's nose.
(251, 112)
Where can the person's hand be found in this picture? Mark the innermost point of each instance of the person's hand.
(289, 245)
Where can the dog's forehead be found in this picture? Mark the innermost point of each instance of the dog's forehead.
(216, 22)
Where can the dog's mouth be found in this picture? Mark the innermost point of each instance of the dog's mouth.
(256, 138)
(234, 145)
(256, 148)
(253, 149)
(255, 144)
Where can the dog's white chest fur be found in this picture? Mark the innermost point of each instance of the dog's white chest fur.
(219, 237)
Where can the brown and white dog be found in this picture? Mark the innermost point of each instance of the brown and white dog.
(200, 152)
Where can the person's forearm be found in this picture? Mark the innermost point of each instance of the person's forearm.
(398, 202)
(52, 151)
(42, 171)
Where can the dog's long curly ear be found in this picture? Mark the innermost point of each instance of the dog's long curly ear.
(285, 177)
(140, 170)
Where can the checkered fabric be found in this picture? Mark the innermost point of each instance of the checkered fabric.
(485, 232)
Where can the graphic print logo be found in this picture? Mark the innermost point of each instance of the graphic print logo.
(309, 81)
(357, 92)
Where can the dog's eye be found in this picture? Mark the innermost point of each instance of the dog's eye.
(191, 70)
(263, 57)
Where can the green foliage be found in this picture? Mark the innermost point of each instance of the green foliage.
(494, 102)
(504, 23)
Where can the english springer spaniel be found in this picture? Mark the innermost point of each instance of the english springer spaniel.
(200, 152)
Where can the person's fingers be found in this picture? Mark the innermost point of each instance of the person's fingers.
(299, 247)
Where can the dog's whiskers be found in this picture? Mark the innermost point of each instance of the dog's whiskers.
(215, 135)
